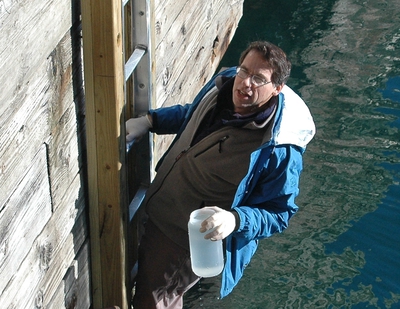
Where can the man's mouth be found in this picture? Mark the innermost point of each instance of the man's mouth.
(244, 94)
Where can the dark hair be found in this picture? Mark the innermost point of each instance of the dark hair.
(276, 58)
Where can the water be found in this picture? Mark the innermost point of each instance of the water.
(342, 249)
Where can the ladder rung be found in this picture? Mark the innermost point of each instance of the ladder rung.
(134, 59)
(136, 202)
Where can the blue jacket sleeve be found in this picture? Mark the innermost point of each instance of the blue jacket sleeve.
(168, 120)
(270, 204)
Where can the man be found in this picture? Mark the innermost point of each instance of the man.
(238, 149)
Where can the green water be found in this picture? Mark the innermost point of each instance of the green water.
(342, 249)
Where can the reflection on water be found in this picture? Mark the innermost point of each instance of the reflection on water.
(342, 249)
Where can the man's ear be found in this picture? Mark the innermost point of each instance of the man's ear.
(277, 90)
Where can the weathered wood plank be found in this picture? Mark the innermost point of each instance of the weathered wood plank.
(23, 217)
(28, 34)
(195, 47)
(48, 115)
(19, 137)
(65, 156)
(68, 244)
(40, 77)
(74, 290)
(66, 117)
(166, 14)
(50, 256)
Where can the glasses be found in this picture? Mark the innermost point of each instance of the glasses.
(255, 80)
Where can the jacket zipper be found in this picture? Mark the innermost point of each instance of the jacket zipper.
(220, 141)
(181, 154)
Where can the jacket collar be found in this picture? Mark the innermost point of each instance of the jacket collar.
(293, 123)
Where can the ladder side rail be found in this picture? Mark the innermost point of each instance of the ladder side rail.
(138, 67)
(137, 71)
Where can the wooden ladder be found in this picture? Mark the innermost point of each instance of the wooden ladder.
(117, 48)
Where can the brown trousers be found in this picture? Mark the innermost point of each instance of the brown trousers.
(164, 272)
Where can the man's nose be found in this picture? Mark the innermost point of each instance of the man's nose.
(247, 81)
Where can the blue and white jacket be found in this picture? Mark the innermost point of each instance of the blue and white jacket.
(265, 198)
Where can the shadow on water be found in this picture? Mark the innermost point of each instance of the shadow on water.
(340, 250)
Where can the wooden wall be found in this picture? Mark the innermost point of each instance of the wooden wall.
(43, 230)
(44, 242)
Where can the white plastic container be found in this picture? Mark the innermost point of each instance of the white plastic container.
(206, 255)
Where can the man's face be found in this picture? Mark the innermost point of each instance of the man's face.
(248, 98)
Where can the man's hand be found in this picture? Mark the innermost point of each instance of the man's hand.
(137, 127)
(223, 221)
